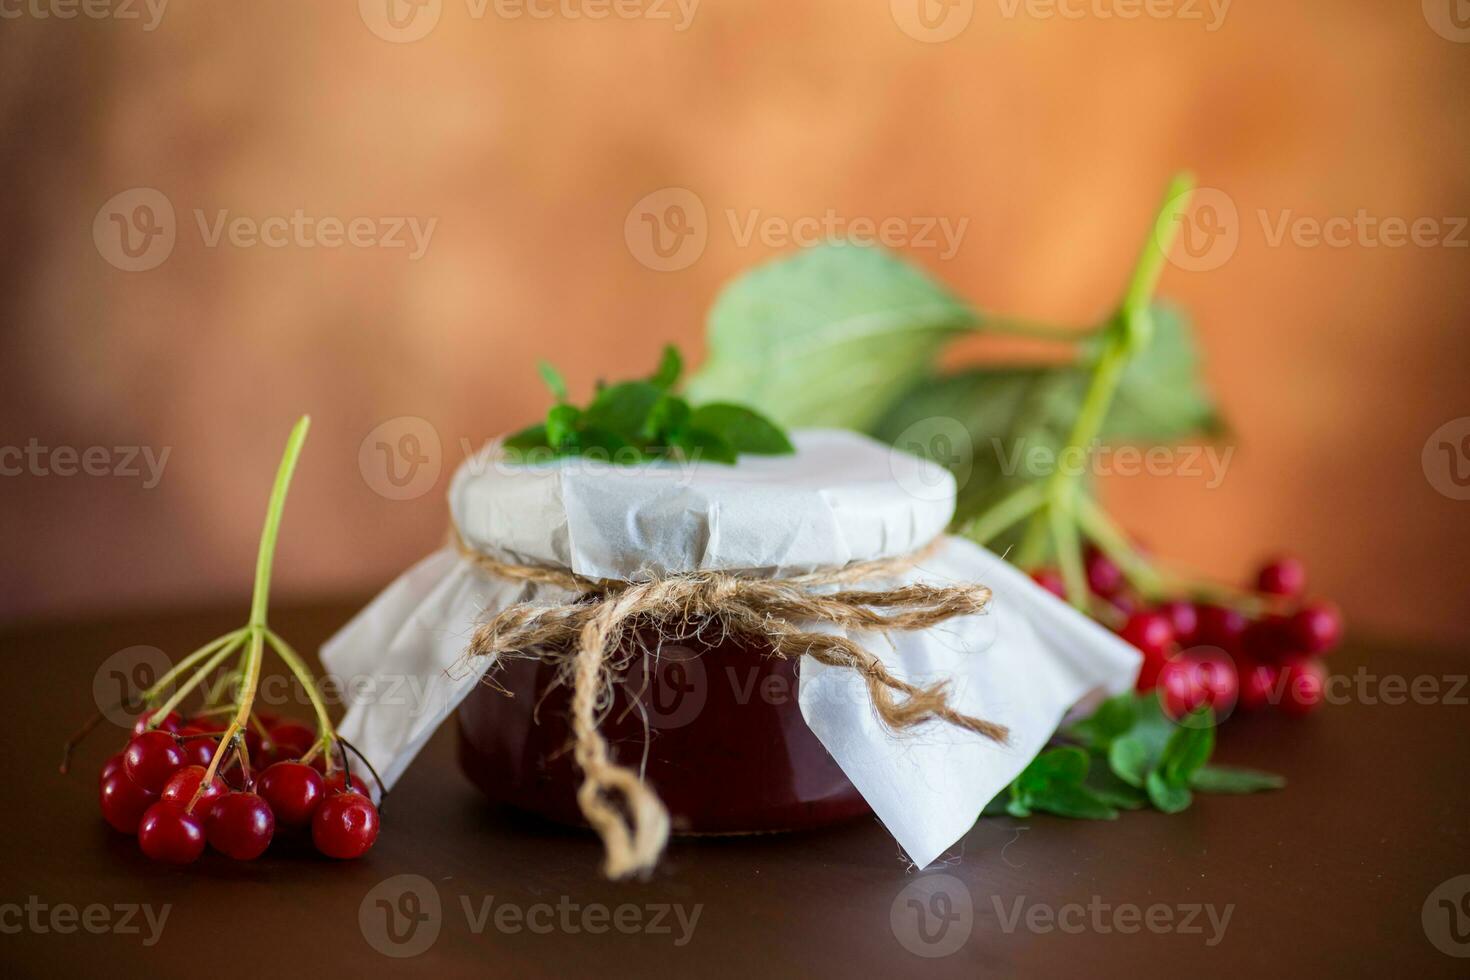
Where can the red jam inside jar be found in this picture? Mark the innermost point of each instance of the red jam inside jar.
(715, 728)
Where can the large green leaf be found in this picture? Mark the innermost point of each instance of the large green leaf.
(1162, 396)
(1017, 419)
(985, 424)
(830, 336)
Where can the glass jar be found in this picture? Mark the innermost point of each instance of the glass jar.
(715, 728)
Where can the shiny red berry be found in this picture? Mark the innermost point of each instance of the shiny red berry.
(1260, 686)
(292, 739)
(112, 765)
(1303, 687)
(1268, 639)
(1191, 681)
(199, 749)
(151, 759)
(1282, 577)
(1220, 627)
(169, 833)
(1050, 580)
(170, 722)
(240, 825)
(1317, 627)
(184, 783)
(293, 791)
(1151, 633)
(124, 802)
(345, 825)
(1104, 577)
(1184, 618)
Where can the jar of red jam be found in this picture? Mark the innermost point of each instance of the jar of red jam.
(716, 727)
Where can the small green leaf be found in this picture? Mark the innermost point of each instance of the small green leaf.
(531, 437)
(704, 447)
(1063, 765)
(553, 379)
(1103, 783)
(1128, 757)
(624, 408)
(1234, 779)
(748, 431)
(561, 426)
(1168, 797)
(1071, 800)
(1017, 808)
(606, 444)
(1188, 748)
(670, 366)
(669, 416)
(1114, 717)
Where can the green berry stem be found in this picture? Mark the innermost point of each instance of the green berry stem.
(1124, 335)
(199, 676)
(272, 529)
(163, 682)
(303, 676)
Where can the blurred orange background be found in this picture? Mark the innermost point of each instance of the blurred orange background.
(529, 142)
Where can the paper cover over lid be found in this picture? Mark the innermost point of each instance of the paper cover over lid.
(842, 497)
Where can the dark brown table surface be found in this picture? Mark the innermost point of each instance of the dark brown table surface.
(1332, 874)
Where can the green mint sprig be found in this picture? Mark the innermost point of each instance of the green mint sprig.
(637, 421)
(1128, 755)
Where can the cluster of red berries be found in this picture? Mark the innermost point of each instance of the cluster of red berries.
(153, 789)
(1198, 654)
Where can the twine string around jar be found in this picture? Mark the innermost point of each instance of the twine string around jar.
(597, 621)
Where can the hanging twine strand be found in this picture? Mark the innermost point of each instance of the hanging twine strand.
(625, 812)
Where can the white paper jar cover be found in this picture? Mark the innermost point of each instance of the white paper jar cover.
(840, 498)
